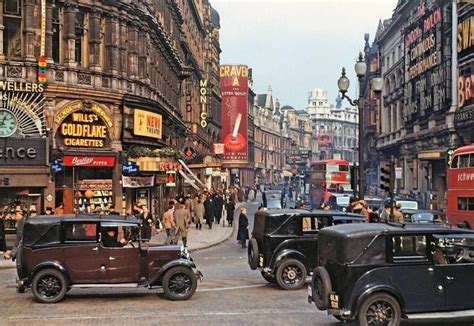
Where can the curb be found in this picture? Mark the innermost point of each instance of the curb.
(215, 243)
(9, 266)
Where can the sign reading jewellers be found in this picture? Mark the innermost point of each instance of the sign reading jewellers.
(83, 125)
(427, 79)
(22, 127)
(465, 49)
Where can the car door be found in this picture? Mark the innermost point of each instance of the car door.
(418, 280)
(119, 253)
(458, 270)
(80, 251)
(309, 241)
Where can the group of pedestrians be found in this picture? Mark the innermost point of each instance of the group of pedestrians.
(390, 213)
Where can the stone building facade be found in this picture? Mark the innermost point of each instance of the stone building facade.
(334, 127)
(122, 82)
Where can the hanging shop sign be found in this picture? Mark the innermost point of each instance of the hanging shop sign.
(170, 178)
(56, 167)
(234, 94)
(81, 126)
(203, 102)
(147, 124)
(89, 161)
(23, 152)
(427, 80)
(138, 182)
(189, 153)
(21, 109)
(130, 167)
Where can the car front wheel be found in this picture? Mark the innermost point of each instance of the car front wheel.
(49, 286)
(291, 274)
(179, 283)
(379, 309)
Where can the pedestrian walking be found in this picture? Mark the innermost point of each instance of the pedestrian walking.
(251, 195)
(218, 206)
(182, 219)
(243, 232)
(3, 242)
(209, 211)
(385, 216)
(199, 213)
(146, 219)
(169, 224)
(20, 217)
(230, 207)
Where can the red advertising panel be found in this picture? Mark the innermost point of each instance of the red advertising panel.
(234, 90)
(82, 160)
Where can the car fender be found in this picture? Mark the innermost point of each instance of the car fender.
(48, 264)
(375, 288)
(288, 254)
(177, 262)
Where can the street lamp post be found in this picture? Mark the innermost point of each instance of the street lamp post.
(343, 85)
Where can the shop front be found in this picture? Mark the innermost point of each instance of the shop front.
(24, 174)
(88, 176)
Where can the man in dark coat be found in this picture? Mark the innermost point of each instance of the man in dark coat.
(209, 210)
(230, 207)
(243, 232)
(218, 206)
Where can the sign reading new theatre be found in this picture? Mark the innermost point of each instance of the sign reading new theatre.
(81, 126)
(147, 124)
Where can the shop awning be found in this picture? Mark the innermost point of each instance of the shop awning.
(192, 183)
(191, 173)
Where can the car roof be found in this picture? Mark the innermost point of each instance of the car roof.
(315, 213)
(340, 195)
(373, 229)
(44, 219)
(418, 211)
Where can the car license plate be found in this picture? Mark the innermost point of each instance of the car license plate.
(334, 301)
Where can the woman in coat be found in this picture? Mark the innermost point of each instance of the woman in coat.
(230, 207)
(199, 213)
(243, 232)
(147, 222)
(168, 223)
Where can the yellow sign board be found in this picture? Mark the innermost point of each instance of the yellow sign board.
(147, 124)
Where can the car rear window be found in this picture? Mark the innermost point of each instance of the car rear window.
(342, 201)
(80, 231)
(409, 247)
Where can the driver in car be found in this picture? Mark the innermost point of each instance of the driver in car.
(112, 238)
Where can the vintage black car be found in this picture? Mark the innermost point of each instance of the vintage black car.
(61, 252)
(424, 216)
(381, 273)
(273, 199)
(284, 243)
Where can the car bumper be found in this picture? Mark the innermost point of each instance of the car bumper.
(199, 275)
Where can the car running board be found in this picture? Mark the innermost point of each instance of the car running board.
(442, 315)
(120, 285)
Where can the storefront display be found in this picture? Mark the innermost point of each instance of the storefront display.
(93, 195)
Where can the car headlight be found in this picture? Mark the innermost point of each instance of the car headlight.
(185, 253)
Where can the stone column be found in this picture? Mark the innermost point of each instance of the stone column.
(133, 51)
(94, 38)
(49, 32)
(2, 27)
(123, 46)
(69, 34)
(29, 25)
(111, 43)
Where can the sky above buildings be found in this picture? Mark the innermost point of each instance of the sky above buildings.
(298, 45)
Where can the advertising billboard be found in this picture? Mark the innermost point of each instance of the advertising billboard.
(234, 90)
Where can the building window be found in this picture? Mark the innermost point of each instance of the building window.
(12, 31)
(57, 30)
(80, 46)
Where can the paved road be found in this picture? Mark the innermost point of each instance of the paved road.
(231, 294)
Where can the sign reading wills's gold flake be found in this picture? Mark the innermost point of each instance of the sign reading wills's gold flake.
(147, 124)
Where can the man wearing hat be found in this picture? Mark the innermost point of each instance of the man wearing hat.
(397, 214)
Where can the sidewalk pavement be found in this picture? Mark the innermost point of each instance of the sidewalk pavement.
(197, 239)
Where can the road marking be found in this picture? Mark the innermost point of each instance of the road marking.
(166, 314)
(232, 288)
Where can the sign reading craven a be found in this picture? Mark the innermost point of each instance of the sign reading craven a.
(147, 124)
(83, 127)
(427, 82)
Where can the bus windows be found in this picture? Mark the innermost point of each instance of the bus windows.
(466, 203)
(464, 161)
(471, 161)
(454, 162)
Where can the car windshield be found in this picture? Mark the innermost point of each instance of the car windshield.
(273, 204)
(406, 204)
(422, 217)
(342, 201)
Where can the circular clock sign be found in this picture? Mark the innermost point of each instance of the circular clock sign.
(8, 123)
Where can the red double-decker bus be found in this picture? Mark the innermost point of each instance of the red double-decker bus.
(460, 194)
(327, 177)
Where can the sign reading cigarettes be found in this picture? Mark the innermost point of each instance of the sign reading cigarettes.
(234, 90)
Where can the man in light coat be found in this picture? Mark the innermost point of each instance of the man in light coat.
(182, 219)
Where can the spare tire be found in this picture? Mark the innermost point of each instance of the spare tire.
(253, 253)
(321, 283)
